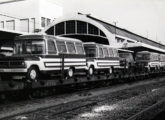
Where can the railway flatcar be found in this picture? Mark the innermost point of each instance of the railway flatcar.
(37, 55)
(101, 58)
(148, 60)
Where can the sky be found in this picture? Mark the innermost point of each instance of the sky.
(143, 17)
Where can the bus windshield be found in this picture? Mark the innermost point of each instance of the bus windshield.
(29, 47)
(127, 56)
(142, 57)
(90, 52)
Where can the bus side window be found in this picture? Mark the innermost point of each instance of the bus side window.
(106, 54)
(101, 52)
(152, 57)
(162, 58)
(51, 47)
(61, 47)
(115, 52)
(79, 48)
(19, 48)
(155, 57)
(71, 47)
(111, 52)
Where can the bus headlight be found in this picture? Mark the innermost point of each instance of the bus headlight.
(23, 64)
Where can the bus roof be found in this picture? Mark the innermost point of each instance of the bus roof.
(68, 39)
(97, 44)
(125, 51)
(147, 52)
(44, 36)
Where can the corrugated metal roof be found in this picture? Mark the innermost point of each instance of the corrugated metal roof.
(125, 33)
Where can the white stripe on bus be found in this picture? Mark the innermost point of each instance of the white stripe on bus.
(106, 60)
(66, 60)
(65, 64)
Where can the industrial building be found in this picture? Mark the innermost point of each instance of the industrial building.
(88, 28)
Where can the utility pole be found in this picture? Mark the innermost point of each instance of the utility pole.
(115, 23)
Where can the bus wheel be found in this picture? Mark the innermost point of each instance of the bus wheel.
(70, 72)
(90, 71)
(110, 70)
(149, 69)
(32, 73)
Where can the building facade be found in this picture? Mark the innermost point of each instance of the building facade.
(28, 16)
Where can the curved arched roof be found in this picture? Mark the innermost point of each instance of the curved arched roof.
(80, 18)
(108, 29)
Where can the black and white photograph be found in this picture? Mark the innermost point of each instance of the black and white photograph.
(82, 59)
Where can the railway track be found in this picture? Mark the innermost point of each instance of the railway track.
(149, 112)
(70, 105)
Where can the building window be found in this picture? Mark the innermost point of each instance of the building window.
(10, 25)
(48, 21)
(81, 27)
(59, 28)
(50, 31)
(2, 24)
(32, 25)
(70, 27)
(24, 25)
(43, 21)
(102, 34)
(92, 29)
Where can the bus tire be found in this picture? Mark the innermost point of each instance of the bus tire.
(33, 73)
(91, 71)
(110, 70)
(70, 72)
(149, 69)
